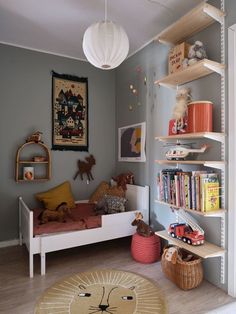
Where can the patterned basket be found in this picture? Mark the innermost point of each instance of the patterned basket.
(186, 275)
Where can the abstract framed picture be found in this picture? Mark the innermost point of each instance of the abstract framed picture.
(69, 112)
(131, 141)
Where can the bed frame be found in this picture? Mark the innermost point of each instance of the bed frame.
(113, 226)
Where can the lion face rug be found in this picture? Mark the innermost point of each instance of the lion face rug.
(101, 292)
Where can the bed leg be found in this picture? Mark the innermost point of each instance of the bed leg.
(43, 264)
(31, 265)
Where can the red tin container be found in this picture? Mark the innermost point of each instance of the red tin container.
(200, 116)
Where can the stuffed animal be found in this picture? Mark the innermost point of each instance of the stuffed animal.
(196, 52)
(183, 97)
(171, 254)
(59, 214)
(123, 179)
(142, 228)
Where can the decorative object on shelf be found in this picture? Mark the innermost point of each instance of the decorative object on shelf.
(189, 232)
(180, 151)
(105, 44)
(59, 214)
(200, 116)
(28, 173)
(69, 112)
(196, 53)
(176, 56)
(85, 167)
(132, 143)
(142, 228)
(182, 268)
(39, 158)
(35, 137)
(123, 179)
(179, 112)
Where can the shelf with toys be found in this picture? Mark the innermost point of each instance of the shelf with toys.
(33, 160)
(206, 250)
(216, 136)
(193, 120)
(193, 72)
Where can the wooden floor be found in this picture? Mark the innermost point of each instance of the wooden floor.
(19, 293)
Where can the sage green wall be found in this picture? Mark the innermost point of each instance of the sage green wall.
(26, 107)
(155, 105)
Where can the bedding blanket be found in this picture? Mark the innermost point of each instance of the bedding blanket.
(83, 216)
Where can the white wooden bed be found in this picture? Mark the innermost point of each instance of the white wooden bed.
(113, 226)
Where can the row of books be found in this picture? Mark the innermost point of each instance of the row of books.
(196, 190)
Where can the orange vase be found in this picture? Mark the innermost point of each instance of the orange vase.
(200, 116)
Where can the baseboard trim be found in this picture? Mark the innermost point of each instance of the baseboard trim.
(9, 243)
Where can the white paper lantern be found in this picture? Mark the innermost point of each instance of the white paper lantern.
(105, 45)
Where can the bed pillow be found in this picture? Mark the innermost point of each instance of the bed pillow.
(115, 204)
(55, 196)
(99, 192)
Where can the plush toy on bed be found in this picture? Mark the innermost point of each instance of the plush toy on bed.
(123, 179)
(142, 228)
(59, 214)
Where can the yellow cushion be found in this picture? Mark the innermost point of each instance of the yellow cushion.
(99, 192)
(54, 197)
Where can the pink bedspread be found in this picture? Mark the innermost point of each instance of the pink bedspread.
(83, 217)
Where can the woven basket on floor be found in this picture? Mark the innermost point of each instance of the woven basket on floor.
(145, 249)
(186, 275)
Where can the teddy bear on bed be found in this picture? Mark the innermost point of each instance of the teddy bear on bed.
(59, 214)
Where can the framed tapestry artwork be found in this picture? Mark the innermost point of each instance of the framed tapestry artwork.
(132, 143)
(69, 112)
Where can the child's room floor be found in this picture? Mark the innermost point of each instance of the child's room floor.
(18, 293)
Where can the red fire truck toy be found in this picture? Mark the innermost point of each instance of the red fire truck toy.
(189, 232)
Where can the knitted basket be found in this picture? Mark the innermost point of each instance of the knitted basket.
(145, 249)
(186, 275)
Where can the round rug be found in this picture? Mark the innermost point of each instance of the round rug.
(102, 291)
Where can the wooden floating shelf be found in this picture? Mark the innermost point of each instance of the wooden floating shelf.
(206, 250)
(32, 162)
(216, 136)
(34, 180)
(215, 213)
(191, 23)
(211, 164)
(193, 72)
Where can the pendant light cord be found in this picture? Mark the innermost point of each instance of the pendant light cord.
(105, 10)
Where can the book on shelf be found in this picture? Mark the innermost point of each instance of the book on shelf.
(211, 188)
(196, 190)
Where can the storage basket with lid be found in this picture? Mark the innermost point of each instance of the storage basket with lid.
(200, 116)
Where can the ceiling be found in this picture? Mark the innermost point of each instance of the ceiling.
(57, 26)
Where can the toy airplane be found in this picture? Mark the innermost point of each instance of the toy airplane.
(180, 152)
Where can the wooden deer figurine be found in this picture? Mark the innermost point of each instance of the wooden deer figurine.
(85, 167)
(142, 228)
